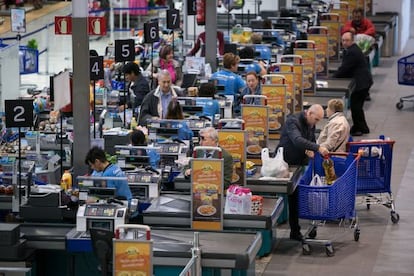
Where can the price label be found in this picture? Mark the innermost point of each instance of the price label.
(173, 19)
(124, 50)
(151, 32)
(96, 68)
(19, 113)
(191, 7)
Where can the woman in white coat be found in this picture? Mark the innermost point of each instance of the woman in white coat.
(335, 133)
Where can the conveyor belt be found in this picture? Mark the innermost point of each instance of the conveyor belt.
(45, 236)
(174, 211)
(219, 249)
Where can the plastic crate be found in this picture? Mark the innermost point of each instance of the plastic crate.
(406, 70)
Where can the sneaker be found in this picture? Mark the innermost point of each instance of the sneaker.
(356, 133)
(296, 236)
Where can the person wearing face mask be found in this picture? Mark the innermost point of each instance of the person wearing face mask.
(335, 134)
(155, 103)
(359, 24)
(298, 141)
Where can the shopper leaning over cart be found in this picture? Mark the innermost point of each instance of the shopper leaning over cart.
(354, 65)
(298, 142)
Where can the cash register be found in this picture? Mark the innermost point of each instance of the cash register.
(107, 212)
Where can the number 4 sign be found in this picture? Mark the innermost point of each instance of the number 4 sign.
(19, 113)
(96, 68)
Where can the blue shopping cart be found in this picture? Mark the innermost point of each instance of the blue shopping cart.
(334, 202)
(405, 77)
(374, 173)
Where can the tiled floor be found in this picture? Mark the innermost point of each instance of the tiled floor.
(383, 248)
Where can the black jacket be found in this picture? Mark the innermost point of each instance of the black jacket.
(296, 137)
(354, 65)
(140, 89)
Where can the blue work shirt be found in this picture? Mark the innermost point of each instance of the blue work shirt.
(232, 82)
(264, 52)
(121, 186)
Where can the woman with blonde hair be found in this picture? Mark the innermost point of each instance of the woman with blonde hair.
(335, 133)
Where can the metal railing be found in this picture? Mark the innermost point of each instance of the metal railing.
(193, 267)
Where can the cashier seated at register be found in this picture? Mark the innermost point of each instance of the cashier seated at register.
(96, 159)
(212, 106)
(175, 112)
(209, 138)
(138, 138)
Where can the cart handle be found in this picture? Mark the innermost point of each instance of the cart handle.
(221, 121)
(311, 42)
(256, 97)
(206, 148)
(133, 226)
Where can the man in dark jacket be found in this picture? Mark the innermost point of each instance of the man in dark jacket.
(137, 87)
(298, 142)
(354, 65)
(155, 103)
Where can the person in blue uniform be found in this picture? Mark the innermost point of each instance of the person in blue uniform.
(211, 106)
(175, 112)
(96, 159)
(137, 138)
(249, 63)
(233, 83)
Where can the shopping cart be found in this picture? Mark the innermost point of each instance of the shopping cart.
(405, 77)
(335, 202)
(374, 173)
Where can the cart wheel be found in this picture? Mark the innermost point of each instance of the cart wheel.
(312, 234)
(395, 217)
(368, 206)
(306, 249)
(356, 234)
(399, 105)
(330, 252)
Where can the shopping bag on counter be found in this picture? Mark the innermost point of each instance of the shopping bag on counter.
(238, 200)
(240, 34)
(274, 167)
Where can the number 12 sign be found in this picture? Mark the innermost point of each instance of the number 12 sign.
(19, 113)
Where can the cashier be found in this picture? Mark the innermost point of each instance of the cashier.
(96, 159)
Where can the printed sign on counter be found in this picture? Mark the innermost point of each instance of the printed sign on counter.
(333, 38)
(308, 59)
(132, 257)
(322, 49)
(234, 142)
(207, 194)
(277, 103)
(256, 124)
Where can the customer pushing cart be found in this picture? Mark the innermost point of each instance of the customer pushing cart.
(374, 173)
(329, 202)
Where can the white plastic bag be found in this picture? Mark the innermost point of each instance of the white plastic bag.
(238, 200)
(318, 200)
(276, 167)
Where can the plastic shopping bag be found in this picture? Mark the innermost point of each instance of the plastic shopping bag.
(274, 167)
(238, 200)
(318, 200)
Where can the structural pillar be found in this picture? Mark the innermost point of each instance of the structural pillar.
(80, 54)
(211, 33)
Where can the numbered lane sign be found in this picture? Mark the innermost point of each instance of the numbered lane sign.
(96, 68)
(191, 7)
(151, 32)
(19, 113)
(124, 50)
(173, 19)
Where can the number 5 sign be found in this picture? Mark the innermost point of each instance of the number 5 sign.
(124, 50)
(19, 113)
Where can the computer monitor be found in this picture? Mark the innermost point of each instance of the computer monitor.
(192, 109)
(189, 80)
(230, 48)
(97, 186)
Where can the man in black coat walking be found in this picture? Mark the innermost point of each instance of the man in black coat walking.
(354, 65)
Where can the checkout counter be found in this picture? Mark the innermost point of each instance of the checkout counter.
(171, 210)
